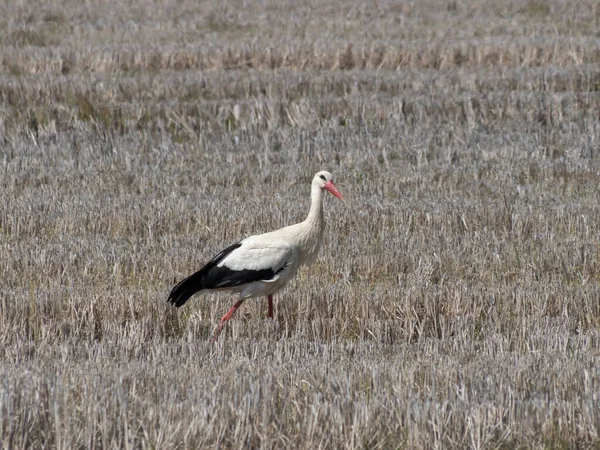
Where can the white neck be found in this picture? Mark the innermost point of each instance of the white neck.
(311, 230)
(315, 215)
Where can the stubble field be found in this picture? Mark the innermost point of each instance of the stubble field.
(455, 303)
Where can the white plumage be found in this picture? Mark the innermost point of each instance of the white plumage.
(261, 265)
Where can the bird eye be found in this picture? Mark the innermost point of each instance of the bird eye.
(322, 177)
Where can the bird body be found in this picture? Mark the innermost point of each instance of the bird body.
(262, 264)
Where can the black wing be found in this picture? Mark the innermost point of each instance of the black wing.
(211, 276)
(187, 287)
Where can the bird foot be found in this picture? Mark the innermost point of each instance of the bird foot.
(216, 333)
(224, 319)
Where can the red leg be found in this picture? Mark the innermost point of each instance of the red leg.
(270, 306)
(224, 319)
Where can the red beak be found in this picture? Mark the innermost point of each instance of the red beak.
(329, 186)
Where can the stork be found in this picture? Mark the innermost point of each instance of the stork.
(262, 264)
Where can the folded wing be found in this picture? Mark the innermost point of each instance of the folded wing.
(243, 263)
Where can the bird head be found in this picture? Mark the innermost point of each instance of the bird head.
(324, 180)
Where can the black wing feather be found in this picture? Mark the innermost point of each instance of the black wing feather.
(187, 287)
(211, 276)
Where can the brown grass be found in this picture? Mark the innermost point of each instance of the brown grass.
(455, 302)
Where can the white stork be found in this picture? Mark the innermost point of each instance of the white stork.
(261, 265)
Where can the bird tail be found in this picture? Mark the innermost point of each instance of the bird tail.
(187, 287)
(202, 279)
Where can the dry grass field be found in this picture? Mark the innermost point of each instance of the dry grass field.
(456, 301)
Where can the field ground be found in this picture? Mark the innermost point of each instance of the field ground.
(455, 303)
